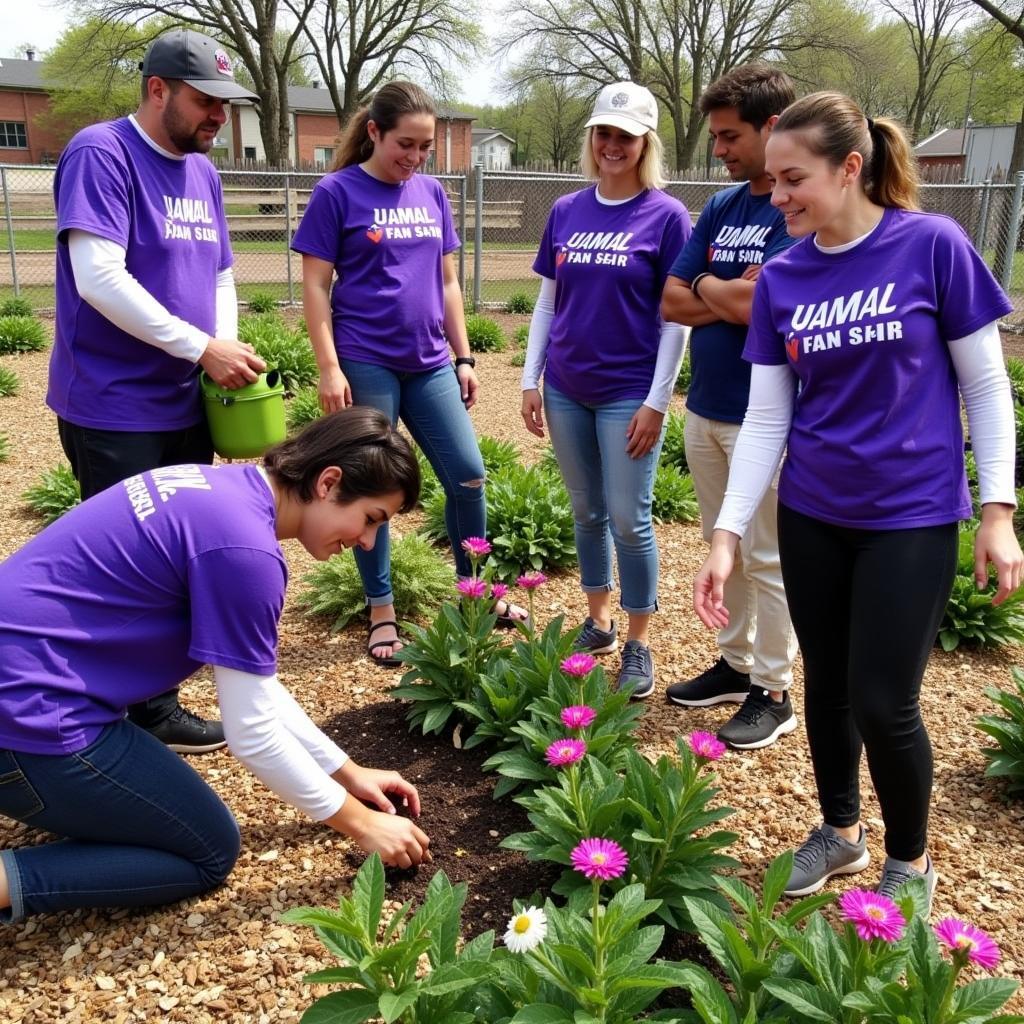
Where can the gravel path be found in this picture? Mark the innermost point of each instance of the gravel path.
(227, 957)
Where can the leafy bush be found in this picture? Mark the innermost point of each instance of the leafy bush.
(485, 334)
(21, 334)
(430, 486)
(1015, 371)
(289, 352)
(521, 336)
(1007, 759)
(262, 302)
(1018, 512)
(16, 307)
(302, 408)
(420, 578)
(5, 448)
(682, 384)
(673, 449)
(56, 492)
(519, 302)
(1018, 420)
(497, 455)
(674, 498)
(9, 383)
(518, 358)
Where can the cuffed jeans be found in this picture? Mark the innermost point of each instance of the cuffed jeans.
(430, 407)
(138, 826)
(611, 495)
(759, 638)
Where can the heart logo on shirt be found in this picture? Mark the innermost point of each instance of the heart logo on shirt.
(793, 347)
(711, 254)
(560, 257)
(374, 234)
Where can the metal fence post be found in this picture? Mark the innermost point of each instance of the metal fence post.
(982, 233)
(463, 199)
(10, 231)
(478, 236)
(288, 236)
(1012, 233)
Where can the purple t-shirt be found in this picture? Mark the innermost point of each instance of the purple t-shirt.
(386, 243)
(609, 264)
(169, 216)
(876, 440)
(129, 593)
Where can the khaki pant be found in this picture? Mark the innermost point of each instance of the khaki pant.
(759, 638)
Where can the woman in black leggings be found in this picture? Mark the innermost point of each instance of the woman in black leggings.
(864, 336)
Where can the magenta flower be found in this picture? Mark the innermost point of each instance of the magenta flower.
(578, 665)
(498, 591)
(532, 580)
(705, 746)
(476, 547)
(563, 752)
(872, 915)
(472, 588)
(578, 716)
(960, 936)
(599, 858)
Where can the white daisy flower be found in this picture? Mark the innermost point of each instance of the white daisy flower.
(526, 930)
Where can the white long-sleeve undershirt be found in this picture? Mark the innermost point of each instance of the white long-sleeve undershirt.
(276, 740)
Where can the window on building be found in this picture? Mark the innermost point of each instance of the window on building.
(13, 135)
(323, 155)
(249, 152)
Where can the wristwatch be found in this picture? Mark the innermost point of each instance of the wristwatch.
(466, 361)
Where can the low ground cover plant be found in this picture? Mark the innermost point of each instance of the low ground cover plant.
(675, 500)
(20, 333)
(673, 449)
(262, 302)
(302, 408)
(9, 383)
(519, 302)
(1006, 759)
(5, 448)
(484, 334)
(55, 493)
(16, 307)
(284, 350)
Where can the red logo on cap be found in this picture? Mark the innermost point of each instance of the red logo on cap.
(223, 62)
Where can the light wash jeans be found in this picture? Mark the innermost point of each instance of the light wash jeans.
(759, 638)
(611, 495)
(139, 826)
(430, 406)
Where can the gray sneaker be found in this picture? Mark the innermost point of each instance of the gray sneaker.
(896, 873)
(825, 853)
(637, 668)
(597, 641)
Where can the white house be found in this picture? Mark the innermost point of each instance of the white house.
(492, 149)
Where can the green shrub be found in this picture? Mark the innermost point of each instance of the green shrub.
(485, 335)
(1015, 371)
(302, 408)
(420, 577)
(673, 450)
(521, 336)
(674, 498)
(21, 334)
(56, 492)
(429, 484)
(683, 380)
(9, 383)
(16, 307)
(1007, 759)
(518, 357)
(5, 448)
(289, 352)
(262, 302)
(1018, 420)
(1018, 513)
(497, 455)
(519, 302)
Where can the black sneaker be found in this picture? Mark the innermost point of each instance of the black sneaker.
(637, 668)
(823, 854)
(720, 684)
(759, 722)
(596, 641)
(187, 733)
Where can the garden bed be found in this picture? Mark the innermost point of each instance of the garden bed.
(227, 957)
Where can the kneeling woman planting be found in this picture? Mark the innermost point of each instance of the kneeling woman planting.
(127, 596)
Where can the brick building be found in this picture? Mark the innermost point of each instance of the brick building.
(23, 97)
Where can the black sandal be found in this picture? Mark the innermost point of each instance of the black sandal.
(372, 648)
(508, 621)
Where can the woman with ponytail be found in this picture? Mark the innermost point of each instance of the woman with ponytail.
(864, 336)
(384, 235)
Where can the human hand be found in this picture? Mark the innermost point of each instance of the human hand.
(372, 784)
(753, 272)
(643, 431)
(996, 542)
(335, 392)
(533, 412)
(398, 840)
(708, 584)
(230, 363)
(468, 384)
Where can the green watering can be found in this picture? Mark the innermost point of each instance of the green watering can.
(246, 421)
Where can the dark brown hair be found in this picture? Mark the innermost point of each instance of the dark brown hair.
(386, 109)
(757, 91)
(833, 126)
(373, 457)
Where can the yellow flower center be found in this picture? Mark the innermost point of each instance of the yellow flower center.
(964, 942)
(876, 913)
(522, 924)
(599, 858)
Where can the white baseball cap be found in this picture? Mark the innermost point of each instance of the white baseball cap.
(628, 106)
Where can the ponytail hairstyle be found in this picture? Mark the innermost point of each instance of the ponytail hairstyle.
(833, 126)
(386, 109)
(373, 457)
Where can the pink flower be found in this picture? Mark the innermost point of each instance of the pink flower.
(498, 591)
(578, 716)
(578, 665)
(873, 916)
(563, 752)
(476, 547)
(599, 858)
(705, 746)
(531, 580)
(958, 935)
(472, 588)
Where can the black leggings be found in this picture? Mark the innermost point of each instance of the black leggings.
(866, 606)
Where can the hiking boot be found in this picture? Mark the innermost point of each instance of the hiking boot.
(720, 684)
(637, 668)
(187, 733)
(759, 722)
(825, 853)
(896, 873)
(596, 641)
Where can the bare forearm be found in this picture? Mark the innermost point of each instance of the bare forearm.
(728, 300)
(680, 306)
(316, 305)
(454, 319)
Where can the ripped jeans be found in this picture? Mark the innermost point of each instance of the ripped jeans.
(430, 407)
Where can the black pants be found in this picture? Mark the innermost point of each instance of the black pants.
(101, 458)
(866, 606)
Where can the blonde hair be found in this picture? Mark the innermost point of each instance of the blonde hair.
(386, 109)
(833, 126)
(650, 169)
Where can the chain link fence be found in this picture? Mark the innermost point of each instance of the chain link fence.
(500, 217)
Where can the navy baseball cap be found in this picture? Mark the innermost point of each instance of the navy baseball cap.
(197, 59)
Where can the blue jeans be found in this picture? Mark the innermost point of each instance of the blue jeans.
(139, 826)
(430, 406)
(611, 495)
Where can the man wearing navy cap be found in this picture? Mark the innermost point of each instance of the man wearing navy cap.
(146, 294)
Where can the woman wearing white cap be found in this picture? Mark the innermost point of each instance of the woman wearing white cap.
(609, 362)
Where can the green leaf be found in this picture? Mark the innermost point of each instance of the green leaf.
(542, 1013)
(981, 998)
(368, 894)
(393, 1004)
(805, 998)
(351, 1007)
